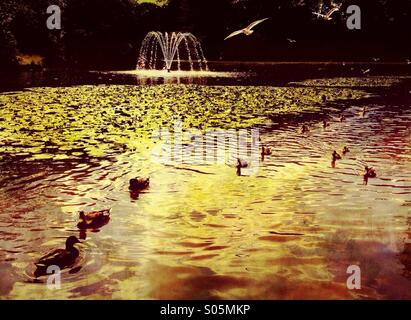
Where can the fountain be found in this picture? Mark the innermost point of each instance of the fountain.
(162, 50)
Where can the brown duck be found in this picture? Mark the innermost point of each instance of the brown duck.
(94, 219)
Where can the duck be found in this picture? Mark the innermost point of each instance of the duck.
(325, 124)
(342, 118)
(265, 151)
(139, 184)
(240, 165)
(94, 219)
(335, 157)
(63, 258)
(369, 173)
(305, 129)
(364, 111)
(345, 150)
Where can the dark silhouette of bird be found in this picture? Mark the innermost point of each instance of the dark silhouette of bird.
(345, 150)
(334, 158)
(305, 129)
(265, 151)
(241, 164)
(369, 174)
(139, 184)
(62, 258)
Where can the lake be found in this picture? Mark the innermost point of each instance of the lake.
(287, 228)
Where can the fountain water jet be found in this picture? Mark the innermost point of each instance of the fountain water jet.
(173, 47)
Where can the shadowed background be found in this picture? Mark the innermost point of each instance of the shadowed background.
(107, 34)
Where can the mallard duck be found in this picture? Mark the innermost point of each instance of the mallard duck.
(345, 150)
(325, 124)
(240, 165)
(139, 184)
(63, 258)
(94, 219)
(305, 129)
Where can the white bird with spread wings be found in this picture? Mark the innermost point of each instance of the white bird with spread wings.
(328, 15)
(247, 31)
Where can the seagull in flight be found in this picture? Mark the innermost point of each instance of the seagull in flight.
(328, 15)
(247, 31)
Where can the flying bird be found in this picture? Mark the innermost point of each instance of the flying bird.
(328, 15)
(291, 40)
(247, 31)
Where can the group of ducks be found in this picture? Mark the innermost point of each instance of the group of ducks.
(266, 151)
(66, 258)
(369, 172)
(242, 164)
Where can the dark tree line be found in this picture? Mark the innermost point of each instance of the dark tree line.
(107, 34)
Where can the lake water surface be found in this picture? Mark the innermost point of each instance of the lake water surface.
(289, 230)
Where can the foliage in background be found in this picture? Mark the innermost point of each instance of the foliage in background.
(107, 34)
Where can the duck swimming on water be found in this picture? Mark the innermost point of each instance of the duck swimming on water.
(62, 258)
(345, 150)
(139, 184)
(265, 151)
(240, 165)
(94, 219)
(369, 173)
